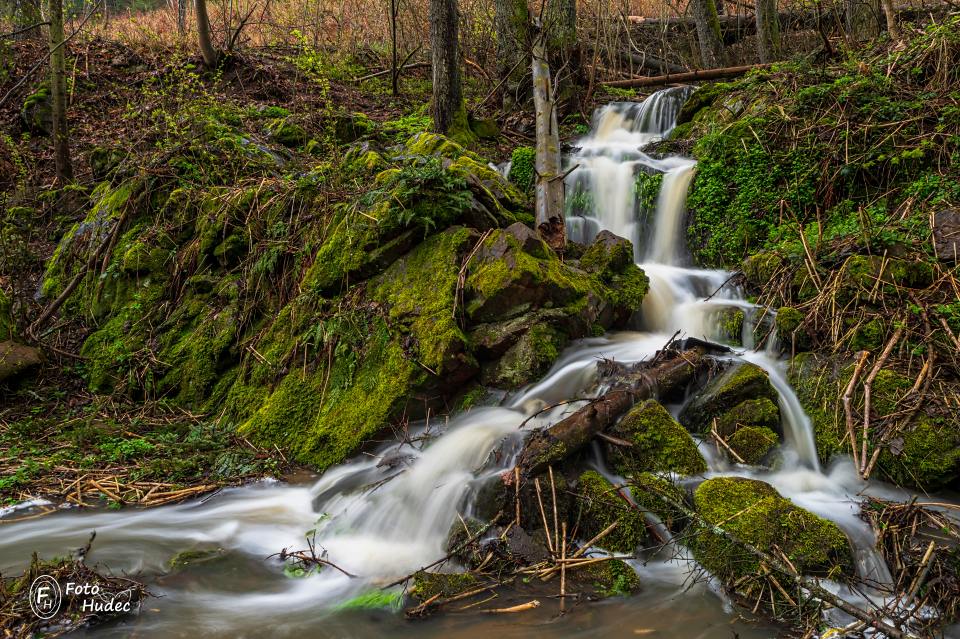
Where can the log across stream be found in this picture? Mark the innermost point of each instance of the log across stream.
(383, 516)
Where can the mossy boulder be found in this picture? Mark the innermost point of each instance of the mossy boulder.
(753, 443)
(761, 413)
(729, 325)
(288, 133)
(761, 267)
(17, 360)
(737, 383)
(427, 585)
(527, 360)
(754, 512)
(789, 324)
(600, 506)
(37, 112)
(660, 444)
(924, 453)
(612, 578)
(648, 492)
(702, 97)
(863, 276)
(104, 160)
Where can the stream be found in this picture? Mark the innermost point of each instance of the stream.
(385, 515)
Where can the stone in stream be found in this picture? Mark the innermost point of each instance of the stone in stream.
(753, 443)
(740, 382)
(600, 506)
(755, 513)
(660, 444)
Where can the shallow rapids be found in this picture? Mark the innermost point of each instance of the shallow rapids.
(389, 512)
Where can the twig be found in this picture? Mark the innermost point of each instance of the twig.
(848, 410)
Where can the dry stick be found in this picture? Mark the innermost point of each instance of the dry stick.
(924, 569)
(516, 492)
(716, 435)
(867, 386)
(543, 515)
(847, 409)
(953, 337)
(550, 572)
(563, 570)
(520, 608)
(553, 494)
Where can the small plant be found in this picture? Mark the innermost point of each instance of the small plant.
(522, 167)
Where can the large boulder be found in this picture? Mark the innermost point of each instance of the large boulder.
(16, 359)
(659, 443)
(753, 512)
(738, 383)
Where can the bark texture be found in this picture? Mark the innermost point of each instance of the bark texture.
(209, 53)
(708, 32)
(449, 113)
(512, 30)
(768, 30)
(550, 187)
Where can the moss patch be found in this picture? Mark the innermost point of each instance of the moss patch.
(601, 506)
(753, 443)
(660, 444)
(739, 382)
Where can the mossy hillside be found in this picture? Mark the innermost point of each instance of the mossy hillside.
(922, 453)
(754, 512)
(660, 444)
(768, 164)
(601, 505)
(739, 382)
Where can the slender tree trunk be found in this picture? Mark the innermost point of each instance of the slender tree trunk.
(449, 112)
(28, 15)
(181, 17)
(708, 32)
(892, 27)
(210, 55)
(58, 94)
(861, 19)
(768, 30)
(550, 187)
(394, 71)
(512, 30)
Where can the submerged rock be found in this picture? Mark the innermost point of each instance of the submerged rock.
(611, 578)
(660, 444)
(740, 382)
(600, 506)
(754, 512)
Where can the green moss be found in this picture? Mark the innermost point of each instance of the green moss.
(737, 383)
(755, 513)
(648, 489)
(601, 506)
(373, 600)
(613, 578)
(528, 359)
(522, 171)
(730, 325)
(760, 412)
(753, 443)
(6, 319)
(288, 133)
(760, 268)
(869, 336)
(427, 585)
(924, 454)
(660, 444)
(419, 291)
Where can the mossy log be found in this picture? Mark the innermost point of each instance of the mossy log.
(570, 434)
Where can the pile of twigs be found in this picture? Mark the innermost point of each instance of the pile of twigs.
(921, 544)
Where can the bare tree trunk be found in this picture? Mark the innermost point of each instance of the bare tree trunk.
(861, 19)
(210, 55)
(892, 27)
(550, 187)
(512, 30)
(708, 32)
(449, 112)
(394, 71)
(58, 94)
(768, 30)
(181, 16)
(29, 15)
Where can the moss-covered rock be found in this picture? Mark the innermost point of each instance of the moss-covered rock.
(753, 443)
(648, 491)
(527, 360)
(924, 453)
(760, 412)
(660, 444)
(16, 360)
(761, 267)
(739, 382)
(600, 506)
(288, 133)
(427, 585)
(790, 331)
(37, 112)
(612, 578)
(729, 322)
(754, 512)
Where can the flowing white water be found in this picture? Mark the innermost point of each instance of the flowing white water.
(383, 516)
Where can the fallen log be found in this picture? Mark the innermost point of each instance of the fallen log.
(574, 432)
(679, 78)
